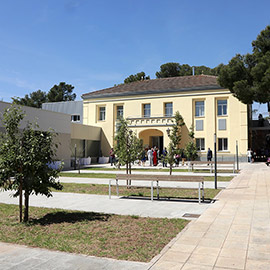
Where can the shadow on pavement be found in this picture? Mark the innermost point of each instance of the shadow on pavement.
(169, 199)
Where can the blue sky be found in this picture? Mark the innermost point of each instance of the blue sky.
(96, 44)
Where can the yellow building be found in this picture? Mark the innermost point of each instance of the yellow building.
(150, 105)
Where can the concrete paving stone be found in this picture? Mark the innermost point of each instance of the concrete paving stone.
(258, 255)
(182, 248)
(164, 265)
(28, 264)
(203, 259)
(257, 265)
(233, 253)
(189, 266)
(231, 262)
(206, 250)
(18, 256)
(260, 240)
(210, 242)
(187, 240)
(259, 247)
(175, 256)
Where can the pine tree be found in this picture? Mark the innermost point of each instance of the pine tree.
(175, 138)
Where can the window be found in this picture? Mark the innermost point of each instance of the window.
(222, 107)
(168, 109)
(146, 110)
(222, 144)
(102, 113)
(75, 118)
(119, 112)
(200, 144)
(199, 108)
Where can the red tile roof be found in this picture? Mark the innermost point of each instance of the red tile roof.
(172, 84)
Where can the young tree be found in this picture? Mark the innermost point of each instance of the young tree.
(191, 149)
(128, 146)
(61, 92)
(175, 138)
(136, 77)
(248, 76)
(24, 159)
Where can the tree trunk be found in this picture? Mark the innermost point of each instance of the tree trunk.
(26, 206)
(127, 172)
(129, 168)
(130, 173)
(170, 169)
(20, 198)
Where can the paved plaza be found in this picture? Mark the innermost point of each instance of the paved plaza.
(232, 233)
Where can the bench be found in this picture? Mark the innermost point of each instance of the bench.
(211, 165)
(157, 179)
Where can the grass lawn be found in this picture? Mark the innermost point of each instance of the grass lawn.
(141, 192)
(113, 236)
(112, 176)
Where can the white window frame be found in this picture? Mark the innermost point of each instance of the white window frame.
(222, 107)
(75, 118)
(222, 144)
(119, 113)
(199, 145)
(168, 111)
(146, 111)
(102, 113)
(199, 108)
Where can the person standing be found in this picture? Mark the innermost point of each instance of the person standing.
(164, 155)
(112, 156)
(143, 158)
(209, 155)
(150, 156)
(155, 157)
(249, 155)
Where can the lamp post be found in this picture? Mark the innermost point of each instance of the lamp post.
(237, 161)
(168, 132)
(75, 157)
(215, 156)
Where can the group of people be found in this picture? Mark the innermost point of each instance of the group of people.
(153, 156)
(258, 155)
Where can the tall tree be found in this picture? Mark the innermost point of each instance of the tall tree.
(24, 159)
(175, 135)
(140, 76)
(61, 92)
(175, 70)
(34, 99)
(248, 76)
(169, 70)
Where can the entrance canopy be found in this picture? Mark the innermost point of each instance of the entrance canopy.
(152, 138)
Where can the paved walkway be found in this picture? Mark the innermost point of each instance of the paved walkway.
(105, 181)
(116, 205)
(206, 173)
(233, 234)
(24, 258)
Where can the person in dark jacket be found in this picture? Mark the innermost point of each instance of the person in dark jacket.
(209, 155)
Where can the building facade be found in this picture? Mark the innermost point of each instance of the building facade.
(150, 105)
(68, 133)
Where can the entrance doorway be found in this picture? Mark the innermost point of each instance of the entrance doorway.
(156, 141)
(151, 138)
